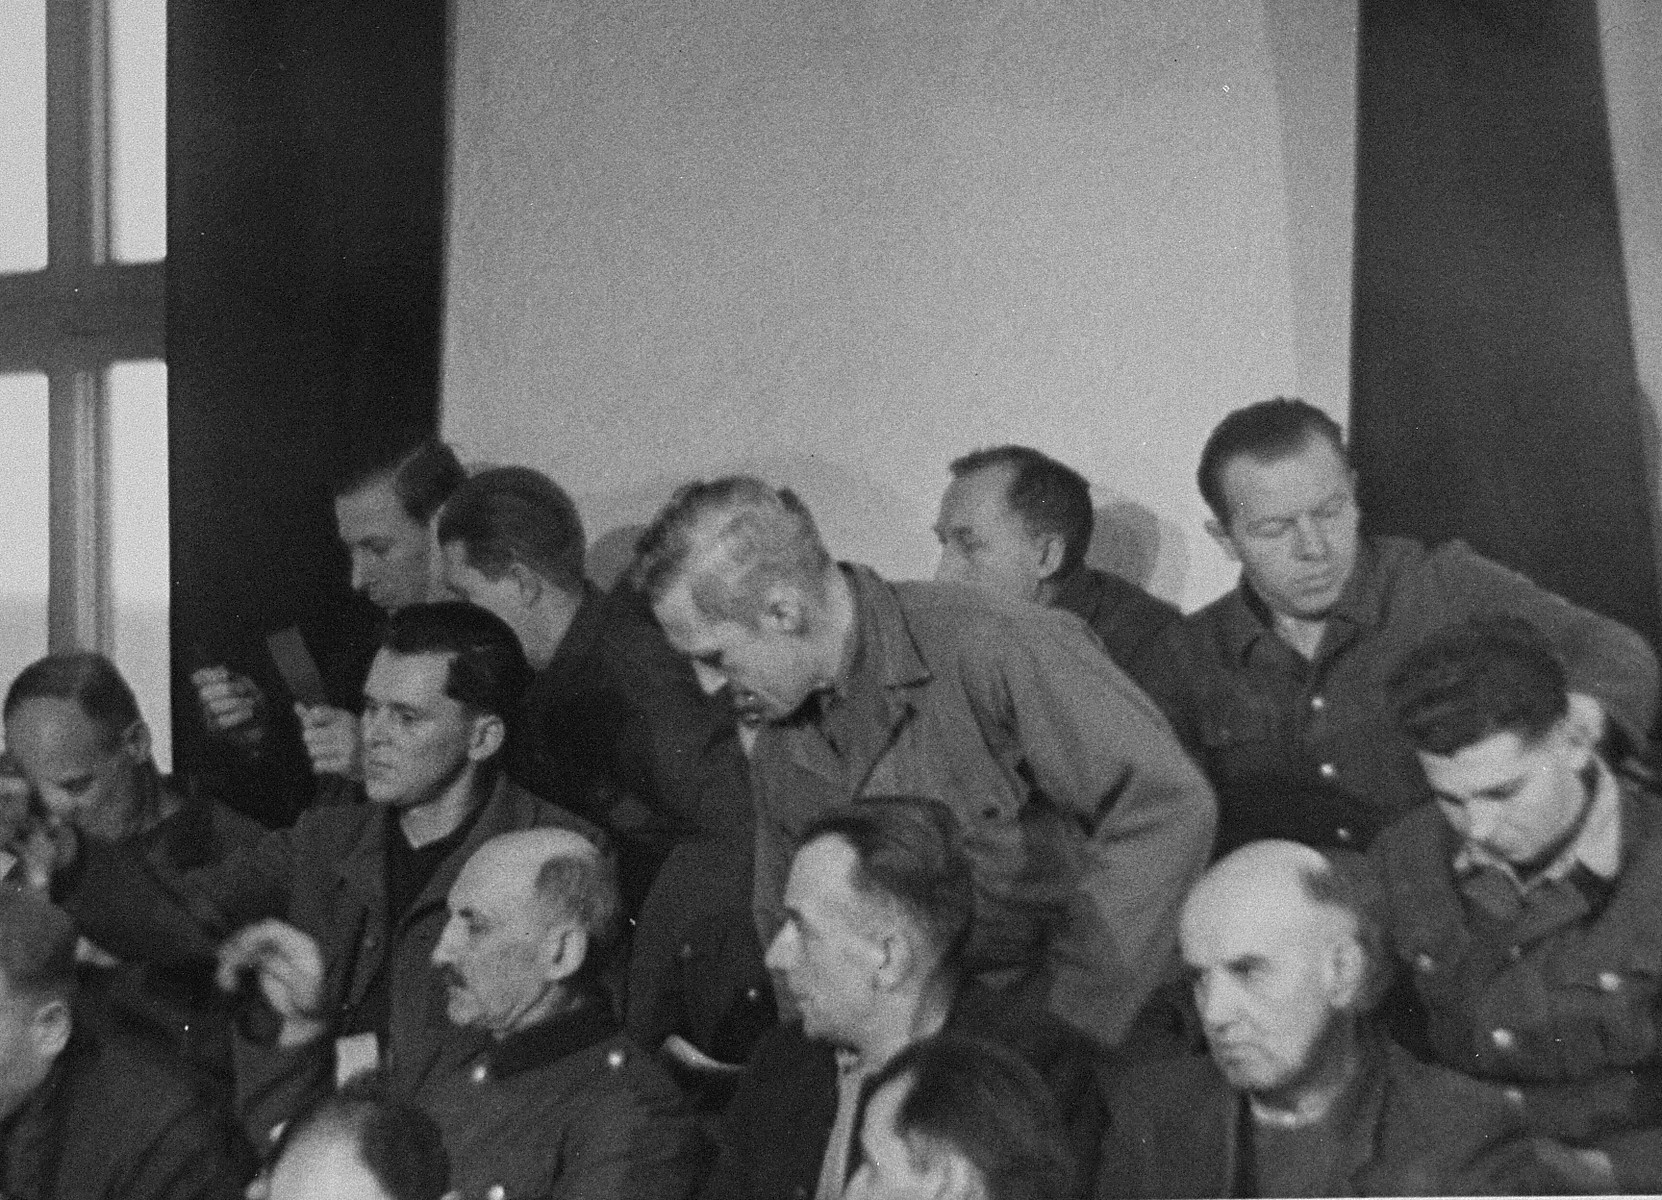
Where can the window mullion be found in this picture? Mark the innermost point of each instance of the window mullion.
(78, 145)
(78, 594)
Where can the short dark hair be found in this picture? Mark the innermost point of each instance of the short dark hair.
(1485, 675)
(764, 535)
(397, 1142)
(514, 514)
(423, 474)
(37, 946)
(488, 671)
(1267, 431)
(984, 1103)
(1049, 497)
(90, 680)
(909, 850)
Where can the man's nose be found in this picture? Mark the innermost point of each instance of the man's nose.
(1311, 538)
(778, 957)
(360, 572)
(1216, 1005)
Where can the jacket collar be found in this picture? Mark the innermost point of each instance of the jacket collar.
(1245, 620)
(550, 1041)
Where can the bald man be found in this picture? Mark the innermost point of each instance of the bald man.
(1299, 1095)
(553, 1099)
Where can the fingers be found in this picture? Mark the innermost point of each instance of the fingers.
(331, 738)
(286, 960)
(228, 700)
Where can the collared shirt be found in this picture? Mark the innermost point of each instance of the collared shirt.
(1597, 846)
(1308, 748)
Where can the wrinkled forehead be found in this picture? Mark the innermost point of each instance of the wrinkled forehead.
(1307, 475)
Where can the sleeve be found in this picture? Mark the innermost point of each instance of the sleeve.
(1098, 749)
(195, 1157)
(1601, 656)
(633, 1140)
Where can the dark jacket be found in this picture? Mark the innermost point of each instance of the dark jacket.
(114, 1122)
(1177, 1129)
(327, 877)
(1308, 749)
(1131, 623)
(774, 1134)
(568, 1110)
(1083, 817)
(1563, 1006)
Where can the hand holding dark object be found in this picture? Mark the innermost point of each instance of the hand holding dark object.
(232, 704)
(286, 967)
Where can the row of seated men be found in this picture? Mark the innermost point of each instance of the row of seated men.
(1082, 819)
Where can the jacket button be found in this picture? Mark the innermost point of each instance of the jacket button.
(1343, 834)
(1424, 963)
(480, 1073)
(1609, 981)
(752, 995)
(1515, 953)
(614, 1059)
(1514, 1097)
(1318, 702)
(497, 1192)
(1503, 1039)
(1327, 770)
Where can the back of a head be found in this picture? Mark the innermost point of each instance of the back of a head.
(1267, 431)
(742, 536)
(37, 947)
(909, 853)
(514, 514)
(982, 1103)
(422, 470)
(1049, 497)
(396, 1143)
(88, 679)
(488, 671)
(579, 885)
(1486, 675)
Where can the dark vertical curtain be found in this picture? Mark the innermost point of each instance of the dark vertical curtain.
(306, 177)
(1493, 383)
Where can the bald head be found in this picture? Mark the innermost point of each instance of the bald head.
(529, 912)
(1272, 939)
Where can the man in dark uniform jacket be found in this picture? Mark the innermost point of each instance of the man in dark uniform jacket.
(1281, 683)
(878, 907)
(1019, 523)
(87, 1115)
(366, 882)
(1526, 904)
(1300, 1096)
(616, 727)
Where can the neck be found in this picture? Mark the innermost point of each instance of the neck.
(430, 820)
(550, 1004)
(911, 1018)
(1303, 634)
(555, 612)
(1311, 1097)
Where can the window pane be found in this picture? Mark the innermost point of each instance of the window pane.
(138, 540)
(23, 523)
(138, 129)
(23, 135)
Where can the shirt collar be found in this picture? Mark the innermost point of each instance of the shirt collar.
(1247, 619)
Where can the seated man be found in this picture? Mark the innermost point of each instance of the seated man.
(366, 881)
(555, 1102)
(1083, 817)
(75, 733)
(1280, 685)
(1018, 522)
(959, 1118)
(357, 1144)
(616, 727)
(878, 907)
(1526, 904)
(83, 1113)
(1299, 1096)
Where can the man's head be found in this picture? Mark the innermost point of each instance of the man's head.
(956, 1118)
(1281, 950)
(533, 917)
(1508, 750)
(73, 729)
(510, 540)
(877, 907)
(37, 984)
(737, 577)
(1013, 520)
(358, 1144)
(383, 511)
(439, 699)
(1283, 500)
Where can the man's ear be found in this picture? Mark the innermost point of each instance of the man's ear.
(49, 1028)
(1349, 971)
(897, 959)
(1054, 551)
(785, 610)
(565, 947)
(1584, 722)
(135, 741)
(486, 738)
(1220, 535)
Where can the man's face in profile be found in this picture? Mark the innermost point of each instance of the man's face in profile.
(984, 542)
(391, 552)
